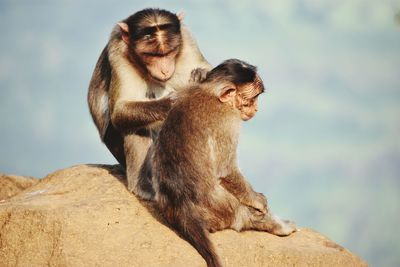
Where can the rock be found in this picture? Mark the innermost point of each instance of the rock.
(10, 185)
(85, 216)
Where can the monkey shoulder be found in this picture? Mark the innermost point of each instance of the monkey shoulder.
(189, 58)
(189, 45)
(194, 110)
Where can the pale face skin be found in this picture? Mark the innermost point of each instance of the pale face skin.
(157, 52)
(160, 67)
(249, 109)
(246, 100)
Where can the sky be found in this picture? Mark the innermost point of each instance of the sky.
(324, 145)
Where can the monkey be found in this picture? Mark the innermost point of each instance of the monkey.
(197, 183)
(149, 55)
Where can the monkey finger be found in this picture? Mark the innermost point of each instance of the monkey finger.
(198, 75)
(261, 207)
(260, 202)
(257, 211)
(173, 96)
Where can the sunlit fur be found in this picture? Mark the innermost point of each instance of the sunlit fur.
(126, 102)
(197, 184)
(246, 99)
(252, 89)
(154, 31)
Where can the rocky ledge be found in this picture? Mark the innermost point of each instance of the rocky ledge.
(85, 216)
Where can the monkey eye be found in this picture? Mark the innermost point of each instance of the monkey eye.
(247, 105)
(147, 37)
(248, 102)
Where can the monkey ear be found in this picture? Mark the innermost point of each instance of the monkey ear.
(227, 93)
(124, 27)
(124, 31)
(181, 15)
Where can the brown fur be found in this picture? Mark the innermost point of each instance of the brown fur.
(198, 186)
(126, 101)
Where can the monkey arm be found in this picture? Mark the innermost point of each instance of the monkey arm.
(133, 115)
(237, 185)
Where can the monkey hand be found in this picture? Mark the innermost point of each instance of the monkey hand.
(173, 97)
(198, 75)
(259, 203)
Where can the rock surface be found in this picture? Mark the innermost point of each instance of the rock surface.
(84, 216)
(10, 185)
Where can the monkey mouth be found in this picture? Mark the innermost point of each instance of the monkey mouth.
(162, 80)
(246, 117)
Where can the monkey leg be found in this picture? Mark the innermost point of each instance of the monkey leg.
(251, 219)
(115, 143)
(218, 209)
(136, 146)
(274, 225)
(227, 211)
(145, 179)
(237, 185)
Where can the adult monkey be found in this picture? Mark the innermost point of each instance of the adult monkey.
(149, 55)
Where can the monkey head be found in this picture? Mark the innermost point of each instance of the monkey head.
(238, 85)
(154, 40)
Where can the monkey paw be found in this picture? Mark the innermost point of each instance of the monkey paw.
(198, 75)
(283, 227)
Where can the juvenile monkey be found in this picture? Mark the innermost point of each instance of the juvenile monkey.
(198, 186)
(149, 55)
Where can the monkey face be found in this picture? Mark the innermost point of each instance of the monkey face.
(154, 40)
(248, 108)
(246, 100)
(158, 50)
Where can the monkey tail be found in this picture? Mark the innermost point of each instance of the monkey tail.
(191, 229)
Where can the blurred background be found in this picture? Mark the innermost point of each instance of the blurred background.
(324, 146)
